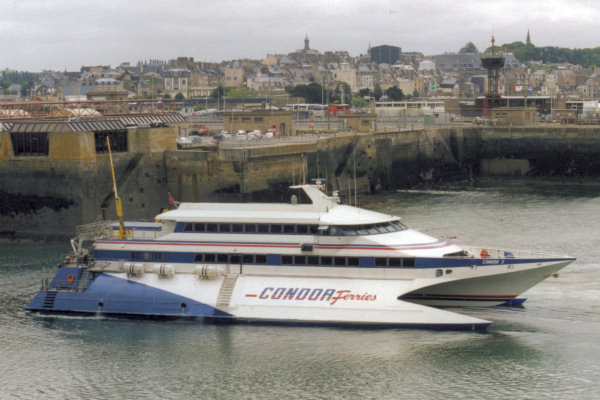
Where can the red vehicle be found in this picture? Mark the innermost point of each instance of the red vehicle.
(199, 132)
(335, 109)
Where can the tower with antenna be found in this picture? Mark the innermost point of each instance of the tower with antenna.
(493, 62)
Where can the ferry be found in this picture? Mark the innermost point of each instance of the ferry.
(306, 262)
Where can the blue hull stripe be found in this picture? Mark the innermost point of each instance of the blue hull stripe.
(367, 262)
(110, 295)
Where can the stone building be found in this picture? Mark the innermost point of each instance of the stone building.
(259, 119)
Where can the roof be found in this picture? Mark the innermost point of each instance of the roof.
(138, 119)
(97, 124)
(323, 211)
(82, 125)
(5, 126)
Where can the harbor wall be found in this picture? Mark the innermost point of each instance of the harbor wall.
(49, 196)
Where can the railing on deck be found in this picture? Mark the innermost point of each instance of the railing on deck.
(478, 252)
(94, 230)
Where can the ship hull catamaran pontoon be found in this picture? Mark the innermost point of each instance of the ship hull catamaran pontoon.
(321, 263)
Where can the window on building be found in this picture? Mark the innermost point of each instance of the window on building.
(118, 141)
(30, 143)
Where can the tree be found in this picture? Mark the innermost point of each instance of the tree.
(469, 48)
(364, 93)
(311, 93)
(179, 97)
(218, 92)
(395, 94)
(359, 102)
(377, 92)
(347, 92)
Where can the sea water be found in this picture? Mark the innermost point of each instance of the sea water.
(549, 349)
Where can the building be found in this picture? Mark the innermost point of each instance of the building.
(365, 122)
(258, 119)
(177, 80)
(385, 54)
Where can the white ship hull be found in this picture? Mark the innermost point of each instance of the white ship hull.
(321, 263)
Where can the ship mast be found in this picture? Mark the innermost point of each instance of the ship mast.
(118, 203)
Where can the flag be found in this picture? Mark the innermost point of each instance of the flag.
(530, 89)
(171, 201)
(518, 88)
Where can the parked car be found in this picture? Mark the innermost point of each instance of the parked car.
(272, 134)
(200, 132)
(255, 134)
(241, 135)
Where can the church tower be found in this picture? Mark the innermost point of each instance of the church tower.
(306, 47)
(528, 40)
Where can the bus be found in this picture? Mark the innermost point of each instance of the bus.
(335, 109)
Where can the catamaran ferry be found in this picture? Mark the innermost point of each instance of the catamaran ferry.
(320, 263)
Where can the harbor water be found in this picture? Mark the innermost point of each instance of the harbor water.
(548, 349)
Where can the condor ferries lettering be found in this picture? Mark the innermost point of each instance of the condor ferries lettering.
(332, 296)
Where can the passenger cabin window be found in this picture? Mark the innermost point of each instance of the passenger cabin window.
(290, 229)
(394, 262)
(369, 229)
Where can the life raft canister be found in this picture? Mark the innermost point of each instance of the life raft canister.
(70, 278)
(484, 253)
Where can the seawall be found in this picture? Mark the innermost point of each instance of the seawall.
(49, 195)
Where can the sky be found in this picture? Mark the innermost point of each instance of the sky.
(38, 35)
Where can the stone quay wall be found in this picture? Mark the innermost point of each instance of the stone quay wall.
(49, 196)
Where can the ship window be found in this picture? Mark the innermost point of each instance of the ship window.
(350, 230)
(224, 227)
(159, 256)
(288, 229)
(211, 227)
(340, 261)
(261, 259)
(303, 229)
(188, 227)
(286, 260)
(276, 228)
(313, 229)
(248, 259)
(251, 228)
(408, 262)
(363, 230)
(373, 229)
(326, 261)
(395, 262)
(237, 227)
(313, 260)
(353, 261)
(209, 258)
(136, 255)
(198, 258)
(199, 227)
(300, 260)
(221, 258)
(263, 228)
(234, 259)
(380, 262)
(324, 231)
